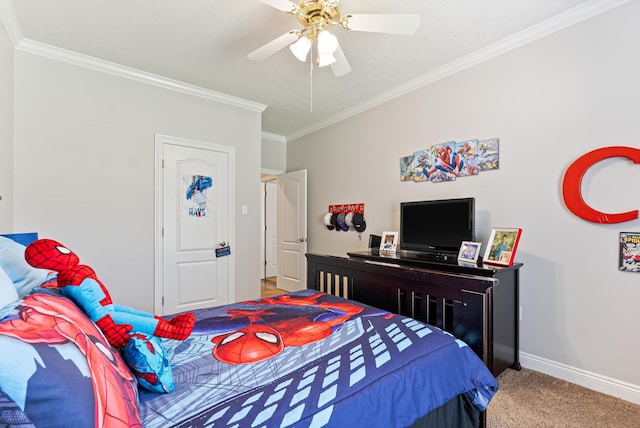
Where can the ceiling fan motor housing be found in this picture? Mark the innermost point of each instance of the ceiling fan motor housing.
(318, 14)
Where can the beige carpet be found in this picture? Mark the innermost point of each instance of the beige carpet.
(531, 399)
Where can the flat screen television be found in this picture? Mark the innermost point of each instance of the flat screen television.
(438, 225)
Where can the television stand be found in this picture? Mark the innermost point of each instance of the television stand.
(477, 303)
(442, 260)
(435, 256)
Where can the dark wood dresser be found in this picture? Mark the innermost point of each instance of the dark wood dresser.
(476, 303)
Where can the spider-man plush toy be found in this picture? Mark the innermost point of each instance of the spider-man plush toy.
(81, 284)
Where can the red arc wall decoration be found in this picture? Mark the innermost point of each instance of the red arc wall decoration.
(572, 184)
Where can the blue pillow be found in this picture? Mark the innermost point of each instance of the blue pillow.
(8, 293)
(22, 238)
(24, 276)
(147, 358)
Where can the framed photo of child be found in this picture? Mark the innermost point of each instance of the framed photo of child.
(469, 252)
(502, 245)
(389, 242)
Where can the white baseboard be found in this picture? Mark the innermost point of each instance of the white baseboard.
(596, 382)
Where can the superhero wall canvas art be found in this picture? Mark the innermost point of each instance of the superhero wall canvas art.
(451, 160)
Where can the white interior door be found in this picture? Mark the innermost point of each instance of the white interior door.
(196, 215)
(271, 229)
(292, 230)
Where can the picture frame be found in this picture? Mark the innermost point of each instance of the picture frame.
(502, 245)
(629, 253)
(389, 242)
(469, 252)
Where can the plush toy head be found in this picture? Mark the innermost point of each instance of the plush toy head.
(50, 254)
(147, 358)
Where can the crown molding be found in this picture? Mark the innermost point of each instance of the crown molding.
(276, 138)
(531, 34)
(80, 60)
(10, 22)
(20, 43)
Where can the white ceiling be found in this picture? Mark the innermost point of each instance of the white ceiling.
(205, 43)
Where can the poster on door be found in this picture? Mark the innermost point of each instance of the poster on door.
(197, 191)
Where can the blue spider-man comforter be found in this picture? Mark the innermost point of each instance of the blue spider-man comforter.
(319, 361)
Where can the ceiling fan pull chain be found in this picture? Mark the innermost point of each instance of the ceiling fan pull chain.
(311, 84)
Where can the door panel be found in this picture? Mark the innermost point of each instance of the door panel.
(188, 277)
(292, 230)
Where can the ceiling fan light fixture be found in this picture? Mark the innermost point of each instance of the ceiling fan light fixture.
(300, 49)
(325, 59)
(327, 43)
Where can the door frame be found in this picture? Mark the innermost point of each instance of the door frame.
(160, 141)
(270, 207)
(266, 175)
(263, 233)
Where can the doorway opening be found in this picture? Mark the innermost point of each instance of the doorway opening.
(289, 230)
(269, 236)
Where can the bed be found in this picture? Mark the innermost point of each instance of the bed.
(302, 359)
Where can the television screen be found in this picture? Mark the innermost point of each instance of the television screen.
(439, 225)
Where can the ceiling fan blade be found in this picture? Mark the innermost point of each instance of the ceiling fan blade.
(283, 5)
(274, 46)
(341, 66)
(380, 23)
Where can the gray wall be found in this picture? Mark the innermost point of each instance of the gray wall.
(549, 102)
(84, 168)
(274, 153)
(6, 132)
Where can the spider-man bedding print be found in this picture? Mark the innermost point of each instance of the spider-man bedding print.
(308, 359)
(264, 333)
(55, 361)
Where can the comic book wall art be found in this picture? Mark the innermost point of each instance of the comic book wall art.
(488, 155)
(629, 256)
(422, 162)
(451, 160)
(467, 151)
(406, 168)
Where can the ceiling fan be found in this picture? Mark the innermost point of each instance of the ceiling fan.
(316, 17)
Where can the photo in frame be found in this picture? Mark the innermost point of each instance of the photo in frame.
(469, 252)
(389, 242)
(502, 245)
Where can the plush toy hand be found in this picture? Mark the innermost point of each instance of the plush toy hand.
(116, 334)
